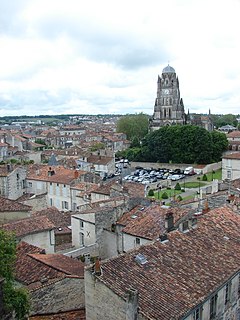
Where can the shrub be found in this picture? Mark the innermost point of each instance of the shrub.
(151, 193)
(177, 186)
(164, 195)
(204, 178)
(183, 190)
(179, 198)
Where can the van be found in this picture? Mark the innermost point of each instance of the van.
(189, 171)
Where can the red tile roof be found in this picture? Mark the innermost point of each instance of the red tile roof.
(12, 205)
(33, 267)
(30, 225)
(182, 272)
(61, 263)
(70, 315)
(233, 134)
(149, 222)
(234, 155)
(59, 219)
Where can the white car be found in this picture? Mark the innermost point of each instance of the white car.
(175, 177)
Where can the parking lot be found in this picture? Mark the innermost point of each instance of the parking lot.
(156, 178)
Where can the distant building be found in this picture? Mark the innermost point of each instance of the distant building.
(169, 107)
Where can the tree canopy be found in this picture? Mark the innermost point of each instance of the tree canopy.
(135, 126)
(181, 144)
(14, 299)
(220, 120)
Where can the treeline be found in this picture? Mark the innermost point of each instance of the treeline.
(179, 144)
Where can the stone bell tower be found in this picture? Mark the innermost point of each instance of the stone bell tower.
(169, 108)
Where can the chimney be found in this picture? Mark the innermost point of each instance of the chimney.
(206, 207)
(131, 304)
(97, 267)
(169, 225)
(75, 174)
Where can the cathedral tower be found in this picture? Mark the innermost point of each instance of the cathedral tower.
(169, 108)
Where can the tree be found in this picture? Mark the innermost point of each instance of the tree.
(219, 144)
(134, 126)
(182, 144)
(224, 119)
(14, 299)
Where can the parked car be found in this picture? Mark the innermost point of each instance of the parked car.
(175, 177)
(189, 171)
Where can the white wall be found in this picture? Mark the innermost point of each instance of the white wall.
(233, 167)
(43, 239)
(83, 224)
(129, 241)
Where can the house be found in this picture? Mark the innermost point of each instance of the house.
(37, 231)
(3, 151)
(103, 165)
(93, 229)
(234, 140)
(56, 182)
(13, 210)
(62, 223)
(190, 275)
(12, 181)
(141, 225)
(55, 282)
(231, 166)
(227, 128)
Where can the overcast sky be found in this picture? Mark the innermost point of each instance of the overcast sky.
(100, 56)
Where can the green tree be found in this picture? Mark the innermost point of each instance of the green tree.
(133, 126)
(179, 144)
(219, 144)
(14, 299)
(224, 119)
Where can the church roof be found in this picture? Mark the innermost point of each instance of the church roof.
(168, 69)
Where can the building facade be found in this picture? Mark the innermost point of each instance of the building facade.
(169, 107)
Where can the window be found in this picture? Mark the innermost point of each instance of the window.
(51, 202)
(81, 224)
(81, 239)
(137, 241)
(30, 184)
(197, 315)
(213, 306)
(229, 174)
(64, 204)
(227, 292)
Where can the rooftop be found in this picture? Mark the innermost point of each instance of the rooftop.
(183, 270)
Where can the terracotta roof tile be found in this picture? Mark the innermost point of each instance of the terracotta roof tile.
(61, 263)
(149, 222)
(234, 155)
(59, 219)
(12, 205)
(27, 226)
(184, 270)
(70, 315)
(59, 174)
(33, 267)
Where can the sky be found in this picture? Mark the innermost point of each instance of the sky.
(104, 57)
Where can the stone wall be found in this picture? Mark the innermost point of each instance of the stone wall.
(64, 295)
(37, 202)
(104, 220)
(103, 303)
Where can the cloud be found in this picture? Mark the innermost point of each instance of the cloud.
(105, 56)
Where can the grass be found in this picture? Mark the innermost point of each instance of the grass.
(214, 175)
(193, 184)
(170, 193)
